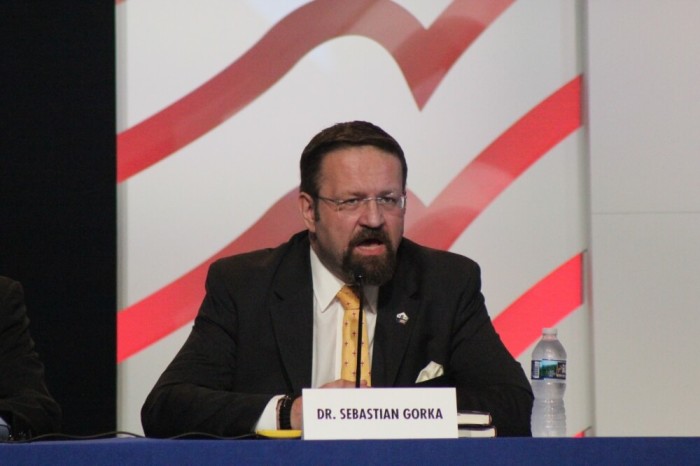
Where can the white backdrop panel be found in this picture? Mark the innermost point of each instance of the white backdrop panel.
(184, 209)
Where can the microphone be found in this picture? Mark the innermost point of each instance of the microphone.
(361, 296)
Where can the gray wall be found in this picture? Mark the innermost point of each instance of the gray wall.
(643, 84)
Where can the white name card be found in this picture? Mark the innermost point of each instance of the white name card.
(379, 413)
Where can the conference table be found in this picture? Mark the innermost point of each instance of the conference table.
(491, 451)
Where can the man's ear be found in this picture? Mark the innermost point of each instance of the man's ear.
(308, 211)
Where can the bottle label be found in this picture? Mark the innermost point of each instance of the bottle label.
(548, 369)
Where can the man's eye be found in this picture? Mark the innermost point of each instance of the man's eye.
(351, 202)
(387, 201)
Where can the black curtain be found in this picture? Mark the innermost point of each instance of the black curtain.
(58, 194)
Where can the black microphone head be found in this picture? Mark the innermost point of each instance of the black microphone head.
(357, 275)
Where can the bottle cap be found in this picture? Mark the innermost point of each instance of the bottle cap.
(549, 331)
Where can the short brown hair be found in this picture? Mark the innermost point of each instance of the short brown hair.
(338, 136)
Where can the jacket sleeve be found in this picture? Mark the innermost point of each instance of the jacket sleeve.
(486, 375)
(25, 402)
(197, 391)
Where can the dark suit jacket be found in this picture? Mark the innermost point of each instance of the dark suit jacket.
(252, 339)
(25, 402)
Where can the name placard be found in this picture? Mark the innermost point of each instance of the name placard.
(379, 413)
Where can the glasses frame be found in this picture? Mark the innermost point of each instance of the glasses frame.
(354, 204)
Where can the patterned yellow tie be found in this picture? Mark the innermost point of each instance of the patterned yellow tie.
(351, 303)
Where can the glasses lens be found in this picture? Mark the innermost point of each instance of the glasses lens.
(385, 203)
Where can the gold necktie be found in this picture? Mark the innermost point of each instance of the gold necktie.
(351, 304)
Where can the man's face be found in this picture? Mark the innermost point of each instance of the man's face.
(364, 239)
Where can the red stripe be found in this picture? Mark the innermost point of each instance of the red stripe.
(544, 305)
(424, 57)
(175, 305)
(492, 171)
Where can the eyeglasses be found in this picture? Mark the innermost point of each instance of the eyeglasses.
(388, 203)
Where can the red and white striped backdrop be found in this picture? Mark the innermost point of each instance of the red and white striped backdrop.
(217, 99)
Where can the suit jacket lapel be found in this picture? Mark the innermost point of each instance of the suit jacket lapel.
(397, 316)
(291, 311)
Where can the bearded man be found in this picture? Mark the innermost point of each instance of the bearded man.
(272, 320)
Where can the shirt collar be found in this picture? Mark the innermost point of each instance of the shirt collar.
(326, 286)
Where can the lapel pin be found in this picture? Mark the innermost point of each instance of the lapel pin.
(402, 318)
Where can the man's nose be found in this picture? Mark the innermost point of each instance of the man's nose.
(372, 215)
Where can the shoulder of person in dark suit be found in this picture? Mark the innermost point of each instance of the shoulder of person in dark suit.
(190, 396)
(25, 402)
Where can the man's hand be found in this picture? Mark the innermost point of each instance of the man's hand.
(297, 406)
(340, 383)
(295, 415)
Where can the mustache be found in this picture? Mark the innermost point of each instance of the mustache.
(370, 235)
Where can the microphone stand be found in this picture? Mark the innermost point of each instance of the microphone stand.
(358, 363)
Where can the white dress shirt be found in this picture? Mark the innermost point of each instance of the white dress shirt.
(328, 332)
(328, 322)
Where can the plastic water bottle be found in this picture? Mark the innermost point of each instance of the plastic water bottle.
(548, 379)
